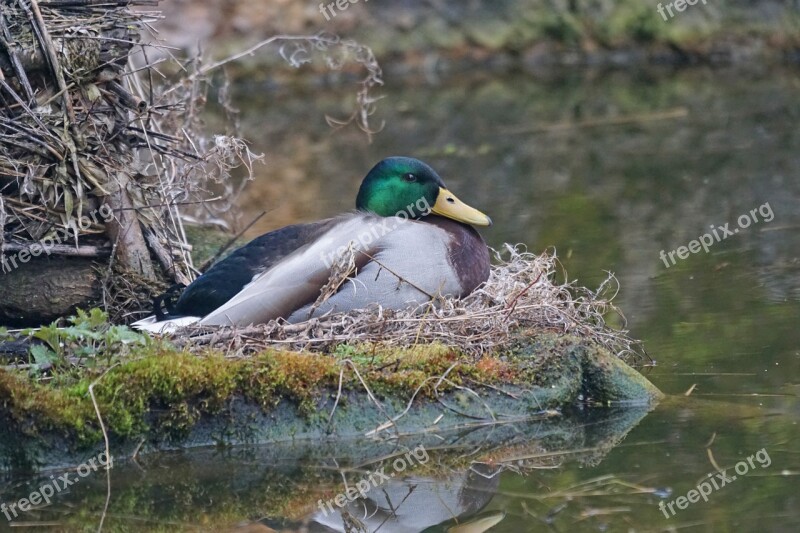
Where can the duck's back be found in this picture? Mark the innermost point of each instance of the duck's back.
(226, 278)
(399, 263)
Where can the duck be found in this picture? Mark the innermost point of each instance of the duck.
(409, 241)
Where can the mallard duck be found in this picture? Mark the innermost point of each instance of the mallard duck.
(409, 240)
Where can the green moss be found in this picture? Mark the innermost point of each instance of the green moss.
(610, 380)
(171, 397)
(32, 408)
(172, 388)
(297, 377)
(167, 391)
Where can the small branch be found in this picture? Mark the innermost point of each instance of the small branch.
(109, 460)
(230, 243)
(165, 258)
(127, 99)
(407, 409)
(372, 397)
(6, 39)
(37, 21)
(40, 29)
(470, 391)
(678, 112)
(83, 3)
(398, 276)
(513, 303)
(31, 114)
(338, 396)
(2, 226)
(498, 389)
(59, 249)
(248, 52)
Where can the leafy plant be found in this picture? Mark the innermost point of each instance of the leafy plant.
(89, 337)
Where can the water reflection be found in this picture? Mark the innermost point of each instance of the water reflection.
(421, 482)
(418, 503)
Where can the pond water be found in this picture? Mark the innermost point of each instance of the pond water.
(609, 170)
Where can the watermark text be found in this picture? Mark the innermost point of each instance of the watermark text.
(715, 481)
(718, 234)
(340, 5)
(9, 262)
(678, 5)
(373, 479)
(41, 496)
(418, 209)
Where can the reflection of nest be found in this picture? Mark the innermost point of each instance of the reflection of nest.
(521, 293)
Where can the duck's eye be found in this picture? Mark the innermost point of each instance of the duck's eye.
(410, 177)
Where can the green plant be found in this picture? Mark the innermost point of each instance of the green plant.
(357, 354)
(88, 337)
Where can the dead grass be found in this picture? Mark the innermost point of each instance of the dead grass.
(88, 119)
(522, 294)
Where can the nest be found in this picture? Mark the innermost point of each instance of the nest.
(82, 128)
(96, 157)
(79, 158)
(522, 294)
(99, 150)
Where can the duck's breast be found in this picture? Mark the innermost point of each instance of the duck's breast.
(410, 262)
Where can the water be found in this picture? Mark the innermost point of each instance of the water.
(609, 170)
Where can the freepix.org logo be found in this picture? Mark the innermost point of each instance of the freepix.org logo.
(330, 10)
(718, 234)
(374, 479)
(715, 481)
(9, 262)
(362, 241)
(41, 496)
(678, 5)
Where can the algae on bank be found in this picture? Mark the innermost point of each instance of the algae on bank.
(165, 398)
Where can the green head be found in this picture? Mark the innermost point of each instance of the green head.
(406, 185)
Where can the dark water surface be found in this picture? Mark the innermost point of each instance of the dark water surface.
(609, 170)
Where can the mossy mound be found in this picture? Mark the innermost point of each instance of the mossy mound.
(163, 398)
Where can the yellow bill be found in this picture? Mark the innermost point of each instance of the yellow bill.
(447, 205)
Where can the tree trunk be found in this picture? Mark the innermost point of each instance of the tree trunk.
(46, 288)
(125, 232)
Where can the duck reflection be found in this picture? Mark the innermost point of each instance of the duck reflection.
(451, 503)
